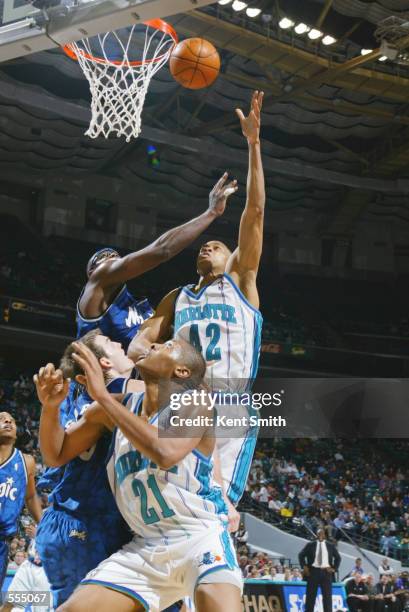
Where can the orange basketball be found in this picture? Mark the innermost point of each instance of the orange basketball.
(195, 63)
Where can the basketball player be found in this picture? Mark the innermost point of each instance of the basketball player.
(66, 536)
(17, 486)
(163, 487)
(105, 301)
(83, 525)
(219, 314)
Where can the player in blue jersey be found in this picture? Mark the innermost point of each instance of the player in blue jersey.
(164, 487)
(219, 314)
(17, 486)
(105, 301)
(82, 525)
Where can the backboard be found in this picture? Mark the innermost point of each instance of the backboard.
(26, 29)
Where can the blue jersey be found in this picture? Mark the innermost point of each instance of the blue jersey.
(13, 485)
(83, 487)
(120, 321)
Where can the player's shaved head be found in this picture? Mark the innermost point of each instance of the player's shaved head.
(99, 257)
(192, 359)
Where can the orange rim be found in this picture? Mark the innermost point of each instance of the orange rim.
(157, 24)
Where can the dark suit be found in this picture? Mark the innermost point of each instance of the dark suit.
(317, 577)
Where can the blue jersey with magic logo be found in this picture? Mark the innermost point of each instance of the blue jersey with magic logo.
(13, 485)
(83, 487)
(120, 321)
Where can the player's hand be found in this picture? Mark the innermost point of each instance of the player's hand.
(233, 517)
(92, 370)
(250, 125)
(52, 387)
(31, 530)
(219, 194)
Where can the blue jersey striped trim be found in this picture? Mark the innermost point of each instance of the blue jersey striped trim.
(120, 589)
(94, 320)
(7, 461)
(258, 322)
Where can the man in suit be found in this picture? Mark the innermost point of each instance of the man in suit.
(320, 560)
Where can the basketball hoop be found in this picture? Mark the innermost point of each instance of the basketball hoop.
(119, 73)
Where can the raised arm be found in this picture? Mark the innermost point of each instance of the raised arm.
(244, 262)
(118, 271)
(156, 328)
(58, 446)
(165, 452)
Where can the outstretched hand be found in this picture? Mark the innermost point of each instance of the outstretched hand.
(92, 370)
(51, 387)
(250, 125)
(219, 194)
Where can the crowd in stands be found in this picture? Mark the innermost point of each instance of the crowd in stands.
(349, 489)
(311, 311)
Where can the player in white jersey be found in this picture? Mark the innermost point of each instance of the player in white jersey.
(163, 485)
(219, 314)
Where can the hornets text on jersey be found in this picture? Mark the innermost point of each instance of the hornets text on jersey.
(159, 505)
(120, 321)
(13, 484)
(221, 323)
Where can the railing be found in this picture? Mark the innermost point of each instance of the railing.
(298, 526)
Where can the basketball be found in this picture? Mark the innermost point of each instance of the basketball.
(195, 63)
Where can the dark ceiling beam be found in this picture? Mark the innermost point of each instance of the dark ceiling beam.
(325, 10)
(337, 105)
(324, 76)
(20, 94)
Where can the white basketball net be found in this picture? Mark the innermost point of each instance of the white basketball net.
(118, 87)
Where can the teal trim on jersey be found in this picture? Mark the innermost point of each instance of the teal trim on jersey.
(241, 469)
(228, 551)
(258, 324)
(202, 457)
(203, 476)
(241, 295)
(120, 589)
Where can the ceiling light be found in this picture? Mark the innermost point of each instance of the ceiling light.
(253, 12)
(314, 34)
(285, 23)
(238, 5)
(222, 2)
(328, 40)
(383, 58)
(366, 51)
(301, 28)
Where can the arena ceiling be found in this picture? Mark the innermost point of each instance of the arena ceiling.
(335, 123)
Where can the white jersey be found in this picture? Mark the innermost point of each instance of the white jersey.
(226, 328)
(163, 506)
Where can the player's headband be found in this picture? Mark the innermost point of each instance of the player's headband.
(98, 257)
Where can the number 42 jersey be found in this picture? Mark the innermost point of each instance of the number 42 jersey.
(225, 328)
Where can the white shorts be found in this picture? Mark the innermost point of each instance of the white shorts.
(30, 577)
(158, 576)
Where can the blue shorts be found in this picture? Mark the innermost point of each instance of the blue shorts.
(70, 547)
(4, 560)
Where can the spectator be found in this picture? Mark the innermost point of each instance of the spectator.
(385, 599)
(357, 594)
(385, 568)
